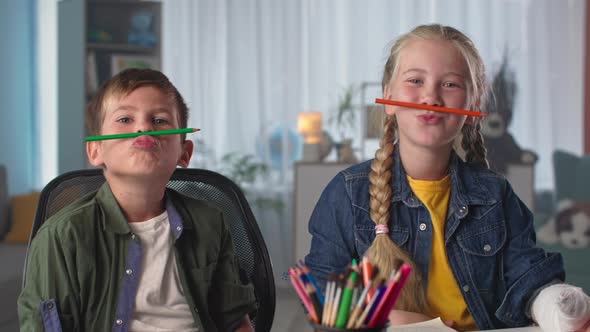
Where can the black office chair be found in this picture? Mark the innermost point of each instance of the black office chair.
(211, 187)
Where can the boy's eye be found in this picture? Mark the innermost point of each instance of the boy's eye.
(160, 121)
(415, 80)
(123, 120)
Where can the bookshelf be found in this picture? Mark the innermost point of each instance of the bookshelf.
(120, 34)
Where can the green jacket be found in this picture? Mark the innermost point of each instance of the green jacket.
(82, 262)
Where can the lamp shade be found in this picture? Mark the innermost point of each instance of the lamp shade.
(309, 124)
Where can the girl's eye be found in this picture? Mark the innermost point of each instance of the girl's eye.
(123, 120)
(450, 85)
(160, 121)
(415, 81)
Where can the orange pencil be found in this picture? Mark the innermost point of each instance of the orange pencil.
(367, 270)
(428, 107)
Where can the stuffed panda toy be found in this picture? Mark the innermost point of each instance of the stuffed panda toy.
(502, 149)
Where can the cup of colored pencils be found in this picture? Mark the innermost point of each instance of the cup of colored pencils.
(357, 300)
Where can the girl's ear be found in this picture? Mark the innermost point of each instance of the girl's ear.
(387, 94)
(470, 120)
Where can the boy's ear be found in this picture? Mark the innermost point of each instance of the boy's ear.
(187, 152)
(93, 153)
(470, 120)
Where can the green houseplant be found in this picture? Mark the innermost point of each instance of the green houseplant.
(245, 170)
(346, 121)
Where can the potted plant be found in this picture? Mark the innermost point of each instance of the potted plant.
(244, 170)
(346, 121)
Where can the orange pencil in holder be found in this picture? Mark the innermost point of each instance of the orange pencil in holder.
(367, 271)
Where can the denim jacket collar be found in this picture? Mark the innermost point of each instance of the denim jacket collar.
(466, 189)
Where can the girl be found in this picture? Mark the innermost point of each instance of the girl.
(468, 237)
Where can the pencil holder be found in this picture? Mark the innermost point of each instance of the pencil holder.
(323, 328)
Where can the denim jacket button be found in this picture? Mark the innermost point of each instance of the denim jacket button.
(466, 288)
(119, 321)
(422, 226)
(128, 271)
(462, 209)
(487, 248)
(411, 200)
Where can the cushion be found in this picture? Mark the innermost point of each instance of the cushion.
(23, 212)
(567, 228)
(4, 217)
(572, 176)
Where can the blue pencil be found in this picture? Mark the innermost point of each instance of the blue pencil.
(312, 280)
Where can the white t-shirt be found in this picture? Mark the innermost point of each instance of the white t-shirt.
(160, 303)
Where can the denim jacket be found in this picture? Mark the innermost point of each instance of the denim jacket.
(489, 237)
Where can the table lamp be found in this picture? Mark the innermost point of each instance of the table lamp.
(309, 125)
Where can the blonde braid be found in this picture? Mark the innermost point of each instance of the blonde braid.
(383, 251)
(473, 145)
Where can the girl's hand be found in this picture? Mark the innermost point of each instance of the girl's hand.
(400, 317)
(585, 328)
(562, 307)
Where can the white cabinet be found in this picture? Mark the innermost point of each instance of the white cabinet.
(310, 181)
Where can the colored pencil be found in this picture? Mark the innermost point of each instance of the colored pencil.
(307, 272)
(344, 309)
(359, 306)
(329, 298)
(392, 283)
(428, 107)
(142, 133)
(367, 270)
(336, 303)
(306, 301)
(360, 321)
(403, 273)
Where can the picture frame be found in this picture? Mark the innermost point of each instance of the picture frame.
(374, 123)
(371, 118)
(121, 62)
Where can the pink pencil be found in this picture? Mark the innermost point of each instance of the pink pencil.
(384, 314)
(302, 295)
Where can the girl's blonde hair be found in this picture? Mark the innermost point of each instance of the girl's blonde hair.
(383, 251)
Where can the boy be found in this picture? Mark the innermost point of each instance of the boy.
(135, 256)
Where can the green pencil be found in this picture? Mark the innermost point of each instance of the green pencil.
(142, 133)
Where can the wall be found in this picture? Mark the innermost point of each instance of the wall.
(17, 136)
(70, 71)
(587, 85)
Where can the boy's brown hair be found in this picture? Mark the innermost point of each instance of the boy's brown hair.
(122, 85)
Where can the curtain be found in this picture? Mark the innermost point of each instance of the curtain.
(248, 67)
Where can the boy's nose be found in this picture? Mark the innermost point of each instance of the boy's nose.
(144, 125)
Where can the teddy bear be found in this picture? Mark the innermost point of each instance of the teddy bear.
(502, 149)
(569, 225)
(140, 30)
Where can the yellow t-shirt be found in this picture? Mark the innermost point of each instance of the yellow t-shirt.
(443, 295)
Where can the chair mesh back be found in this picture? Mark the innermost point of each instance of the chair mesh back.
(233, 216)
(213, 188)
(69, 191)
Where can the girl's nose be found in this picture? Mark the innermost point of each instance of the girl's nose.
(431, 96)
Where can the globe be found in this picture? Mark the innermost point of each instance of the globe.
(273, 145)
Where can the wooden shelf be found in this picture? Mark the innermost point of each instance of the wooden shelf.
(121, 47)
